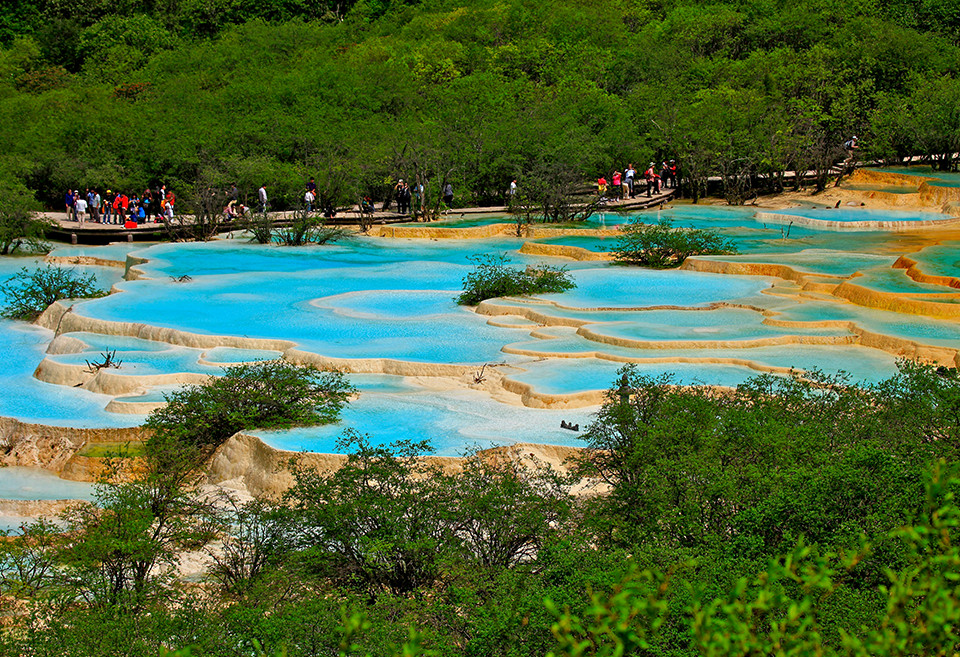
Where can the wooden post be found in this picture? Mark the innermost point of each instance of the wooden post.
(73, 238)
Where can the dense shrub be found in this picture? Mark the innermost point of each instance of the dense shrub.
(660, 245)
(265, 395)
(28, 293)
(492, 277)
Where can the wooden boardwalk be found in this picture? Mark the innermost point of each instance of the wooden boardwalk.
(72, 232)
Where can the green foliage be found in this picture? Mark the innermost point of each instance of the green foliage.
(474, 95)
(792, 516)
(491, 277)
(303, 227)
(19, 224)
(29, 293)
(660, 245)
(262, 395)
(111, 48)
(778, 611)
(377, 519)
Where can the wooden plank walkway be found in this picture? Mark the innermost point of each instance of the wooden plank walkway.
(90, 232)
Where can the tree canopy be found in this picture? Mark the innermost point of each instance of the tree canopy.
(356, 94)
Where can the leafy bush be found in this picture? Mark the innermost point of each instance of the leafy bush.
(306, 228)
(264, 395)
(660, 245)
(491, 277)
(28, 293)
(20, 226)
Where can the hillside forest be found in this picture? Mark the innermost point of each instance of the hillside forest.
(195, 94)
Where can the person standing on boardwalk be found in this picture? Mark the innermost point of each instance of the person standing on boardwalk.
(629, 175)
(651, 177)
(81, 207)
(308, 198)
(107, 207)
(69, 200)
(398, 195)
(617, 187)
(448, 194)
(263, 198)
(89, 198)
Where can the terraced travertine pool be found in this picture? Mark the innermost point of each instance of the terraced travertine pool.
(382, 309)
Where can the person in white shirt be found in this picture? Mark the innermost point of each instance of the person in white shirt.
(263, 198)
(81, 209)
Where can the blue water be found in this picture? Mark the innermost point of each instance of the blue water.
(18, 483)
(116, 251)
(816, 261)
(949, 179)
(453, 421)
(862, 214)
(573, 375)
(375, 298)
(939, 260)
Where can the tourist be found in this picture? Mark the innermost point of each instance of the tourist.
(309, 198)
(601, 186)
(134, 207)
(312, 187)
(417, 197)
(398, 195)
(80, 206)
(70, 200)
(262, 193)
(97, 201)
(235, 193)
(629, 175)
(91, 205)
(448, 194)
(107, 207)
(513, 188)
(146, 203)
(652, 179)
(617, 188)
(672, 174)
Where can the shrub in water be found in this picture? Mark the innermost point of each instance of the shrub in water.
(265, 395)
(492, 277)
(29, 293)
(660, 245)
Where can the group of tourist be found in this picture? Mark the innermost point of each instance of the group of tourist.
(625, 185)
(119, 208)
(412, 196)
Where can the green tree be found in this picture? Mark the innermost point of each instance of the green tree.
(380, 519)
(20, 226)
(660, 245)
(29, 293)
(262, 395)
(491, 277)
